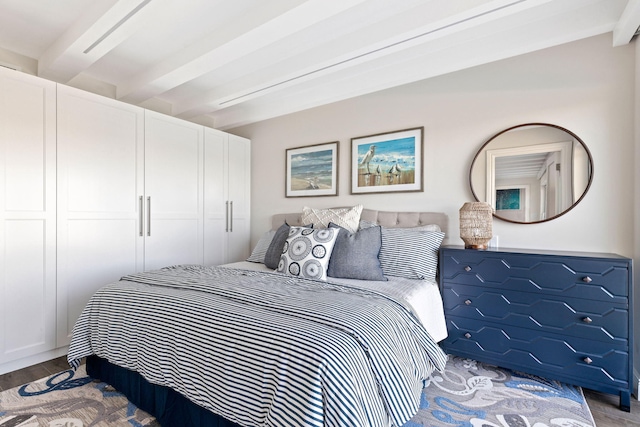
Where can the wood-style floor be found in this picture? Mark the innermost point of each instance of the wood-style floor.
(604, 407)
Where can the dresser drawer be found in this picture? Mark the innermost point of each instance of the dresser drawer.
(590, 362)
(603, 280)
(545, 314)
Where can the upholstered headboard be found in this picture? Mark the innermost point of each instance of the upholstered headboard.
(386, 219)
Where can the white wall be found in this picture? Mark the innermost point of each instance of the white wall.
(20, 62)
(89, 84)
(584, 86)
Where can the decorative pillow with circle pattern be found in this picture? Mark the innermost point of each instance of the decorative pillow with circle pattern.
(307, 251)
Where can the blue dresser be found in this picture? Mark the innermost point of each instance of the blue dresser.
(560, 315)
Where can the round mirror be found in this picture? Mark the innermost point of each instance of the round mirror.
(531, 173)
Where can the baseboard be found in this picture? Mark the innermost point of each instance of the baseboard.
(14, 365)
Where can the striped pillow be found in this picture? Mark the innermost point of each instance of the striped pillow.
(259, 252)
(410, 254)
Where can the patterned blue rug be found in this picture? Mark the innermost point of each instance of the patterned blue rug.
(473, 394)
(467, 394)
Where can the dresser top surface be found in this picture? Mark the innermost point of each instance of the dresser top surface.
(540, 252)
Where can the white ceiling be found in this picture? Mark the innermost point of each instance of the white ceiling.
(233, 62)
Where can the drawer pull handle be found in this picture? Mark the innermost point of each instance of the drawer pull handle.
(467, 335)
(468, 302)
(587, 279)
(587, 319)
(588, 360)
(467, 268)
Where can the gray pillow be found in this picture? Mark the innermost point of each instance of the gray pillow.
(355, 255)
(274, 252)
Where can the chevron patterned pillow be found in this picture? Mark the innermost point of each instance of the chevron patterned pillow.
(348, 218)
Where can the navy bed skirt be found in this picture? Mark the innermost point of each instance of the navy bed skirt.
(170, 408)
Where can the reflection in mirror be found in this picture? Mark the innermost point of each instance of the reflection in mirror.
(531, 173)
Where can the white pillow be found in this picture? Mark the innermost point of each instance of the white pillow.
(307, 252)
(348, 218)
(258, 253)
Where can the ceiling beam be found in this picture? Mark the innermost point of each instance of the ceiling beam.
(523, 35)
(628, 24)
(105, 25)
(261, 28)
(448, 24)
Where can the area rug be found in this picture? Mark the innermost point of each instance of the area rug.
(466, 394)
(474, 394)
(69, 399)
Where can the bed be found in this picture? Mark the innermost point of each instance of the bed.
(244, 345)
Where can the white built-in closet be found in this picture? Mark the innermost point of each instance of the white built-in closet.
(227, 205)
(135, 190)
(27, 216)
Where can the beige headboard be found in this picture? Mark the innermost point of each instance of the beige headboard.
(386, 219)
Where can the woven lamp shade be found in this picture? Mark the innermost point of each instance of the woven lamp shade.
(476, 224)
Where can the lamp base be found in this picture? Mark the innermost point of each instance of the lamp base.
(477, 247)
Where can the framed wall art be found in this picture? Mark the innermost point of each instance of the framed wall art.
(508, 199)
(387, 162)
(312, 170)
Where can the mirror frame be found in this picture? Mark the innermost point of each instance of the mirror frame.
(576, 137)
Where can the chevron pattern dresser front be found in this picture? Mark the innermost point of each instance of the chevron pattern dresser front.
(564, 316)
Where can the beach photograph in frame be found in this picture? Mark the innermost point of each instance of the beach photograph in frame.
(387, 162)
(312, 170)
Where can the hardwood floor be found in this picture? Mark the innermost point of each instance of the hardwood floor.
(32, 373)
(604, 407)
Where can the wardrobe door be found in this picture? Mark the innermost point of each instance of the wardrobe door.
(239, 195)
(100, 182)
(215, 197)
(173, 191)
(227, 182)
(27, 215)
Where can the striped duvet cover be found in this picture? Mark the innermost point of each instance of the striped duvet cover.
(263, 349)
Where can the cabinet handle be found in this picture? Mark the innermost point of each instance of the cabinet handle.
(587, 320)
(467, 335)
(141, 216)
(467, 268)
(149, 216)
(231, 216)
(226, 219)
(588, 360)
(468, 302)
(587, 279)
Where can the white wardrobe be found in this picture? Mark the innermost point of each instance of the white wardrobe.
(135, 191)
(227, 210)
(27, 216)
